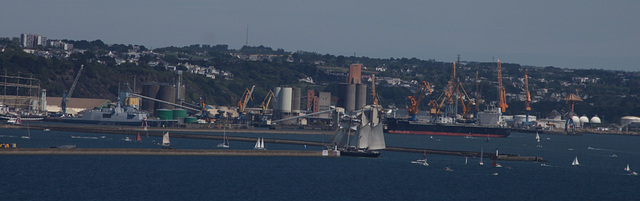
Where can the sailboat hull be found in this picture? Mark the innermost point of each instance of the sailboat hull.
(368, 154)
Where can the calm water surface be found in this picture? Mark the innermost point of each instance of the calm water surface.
(390, 177)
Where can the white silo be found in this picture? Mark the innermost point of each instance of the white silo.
(595, 120)
(276, 94)
(284, 99)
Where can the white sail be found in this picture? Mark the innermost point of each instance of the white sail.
(364, 134)
(165, 139)
(575, 162)
(627, 168)
(537, 137)
(257, 146)
(262, 143)
(481, 156)
(376, 140)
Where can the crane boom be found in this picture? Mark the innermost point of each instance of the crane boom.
(75, 82)
(501, 94)
(415, 102)
(245, 99)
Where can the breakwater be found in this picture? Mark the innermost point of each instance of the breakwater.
(161, 152)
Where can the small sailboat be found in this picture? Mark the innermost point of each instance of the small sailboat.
(627, 168)
(28, 136)
(259, 144)
(465, 160)
(537, 137)
(575, 162)
(481, 156)
(225, 141)
(166, 143)
(138, 139)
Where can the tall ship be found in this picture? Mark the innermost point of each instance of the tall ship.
(362, 138)
(444, 118)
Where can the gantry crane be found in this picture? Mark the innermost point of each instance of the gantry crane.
(501, 94)
(415, 102)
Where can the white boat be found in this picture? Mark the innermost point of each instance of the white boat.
(481, 156)
(225, 141)
(422, 161)
(633, 173)
(465, 160)
(537, 137)
(166, 143)
(627, 168)
(126, 139)
(28, 136)
(259, 144)
(575, 162)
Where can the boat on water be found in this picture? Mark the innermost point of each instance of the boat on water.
(481, 156)
(225, 141)
(370, 139)
(138, 138)
(117, 116)
(422, 161)
(12, 117)
(575, 162)
(259, 144)
(627, 168)
(405, 126)
(166, 143)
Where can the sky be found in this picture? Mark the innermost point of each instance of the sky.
(580, 34)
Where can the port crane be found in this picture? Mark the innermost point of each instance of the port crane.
(501, 94)
(67, 96)
(527, 101)
(242, 103)
(265, 103)
(415, 100)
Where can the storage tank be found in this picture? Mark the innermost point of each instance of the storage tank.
(295, 102)
(324, 102)
(164, 114)
(626, 120)
(595, 120)
(179, 113)
(576, 119)
(166, 93)
(286, 94)
(149, 90)
(584, 119)
(189, 120)
(361, 96)
(349, 97)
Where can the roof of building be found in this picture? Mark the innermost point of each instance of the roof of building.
(79, 102)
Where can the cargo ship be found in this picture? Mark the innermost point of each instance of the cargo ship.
(404, 126)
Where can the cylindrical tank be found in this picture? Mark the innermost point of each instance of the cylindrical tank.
(166, 93)
(178, 113)
(350, 98)
(361, 96)
(164, 114)
(285, 99)
(584, 119)
(149, 90)
(626, 120)
(295, 102)
(189, 120)
(595, 120)
(276, 103)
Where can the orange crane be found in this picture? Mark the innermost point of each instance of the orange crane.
(242, 103)
(527, 101)
(415, 103)
(501, 94)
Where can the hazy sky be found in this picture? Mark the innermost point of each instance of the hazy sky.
(569, 34)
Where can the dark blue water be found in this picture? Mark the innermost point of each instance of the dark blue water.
(391, 177)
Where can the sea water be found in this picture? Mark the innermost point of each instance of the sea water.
(390, 177)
